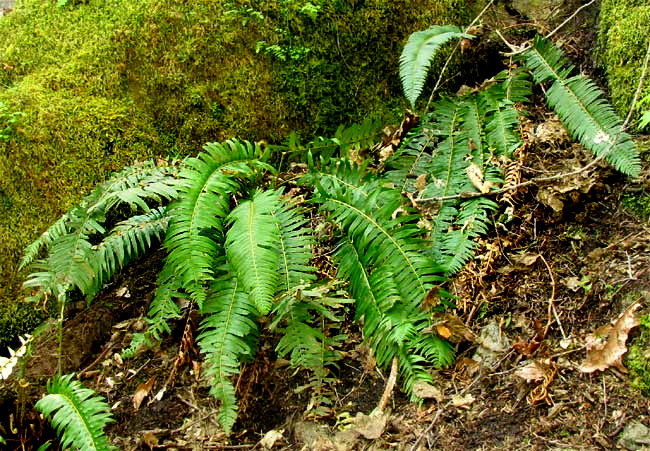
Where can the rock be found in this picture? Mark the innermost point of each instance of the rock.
(635, 436)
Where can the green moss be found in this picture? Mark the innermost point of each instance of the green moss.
(105, 82)
(637, 359)
(624, 35)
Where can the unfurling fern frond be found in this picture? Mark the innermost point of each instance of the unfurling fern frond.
(206, 183)
(418, 53)
(228, 333)
(251, 247)
(582, 108)
(78, 416)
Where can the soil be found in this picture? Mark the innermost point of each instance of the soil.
(570, 259)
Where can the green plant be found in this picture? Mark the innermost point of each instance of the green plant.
(9, 122)
(644, 121)
(78, 416)
(241, 249)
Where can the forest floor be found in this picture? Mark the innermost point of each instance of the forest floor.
(555, 290)
(574, 257)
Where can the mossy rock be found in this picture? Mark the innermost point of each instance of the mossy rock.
(103, 83)
(624, 35)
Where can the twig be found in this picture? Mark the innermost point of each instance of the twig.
(551, 303)
(575, 13)
(444, 68)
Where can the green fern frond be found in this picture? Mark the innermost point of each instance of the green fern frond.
(206, 183)
(310, 316)
(457, 245)
(582, 108)
(227, 333)
(502, 128)
(515, 84)
(130, 239)
(294, 246)
(418, 53)
(54, 232)
(78, 416)
(251, 249)
(134, 186)
(413, 158)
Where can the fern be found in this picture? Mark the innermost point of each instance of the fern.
(227, 335)
(418, 53)
(249, 247)
(582, 108)
(78, 416)
(311, 316)
(206, 182)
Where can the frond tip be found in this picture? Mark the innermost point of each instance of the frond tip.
(78, 417)
(418, 53)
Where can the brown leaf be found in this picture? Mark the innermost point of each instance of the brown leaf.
(532, 372)
(451, 327)
(606, 346)
(142, 391)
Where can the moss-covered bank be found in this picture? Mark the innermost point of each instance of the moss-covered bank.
(102, 83)
(624, 35)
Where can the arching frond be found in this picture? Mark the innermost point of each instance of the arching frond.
(128, 240)
(418, 53)
(228, 333)
(582, 108)
(78, 416)
(206, 183)
(251, 249)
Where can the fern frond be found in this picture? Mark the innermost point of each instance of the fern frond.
(413, 157)
(582, 108)
(311, 315)
(418, 53)
(78, 416)
(227, 333)
(515, 84)
(54, 232)
(251, 250)
(134, 186)
(206, 182)
(456, 246)
(502, 128)
(386, 241)
(294, 247)
(130, 239)
(375, 293)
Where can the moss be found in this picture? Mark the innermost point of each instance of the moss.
(624, 35)
(105, 82)
(637, 359)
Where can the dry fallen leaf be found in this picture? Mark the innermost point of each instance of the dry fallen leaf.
(451, 328)
(142, 392)
(606, 346)
(425, 390)
(532, 372)
(271, 438)
(462, 401)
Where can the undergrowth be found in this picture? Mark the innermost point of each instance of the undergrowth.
(240, 244)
